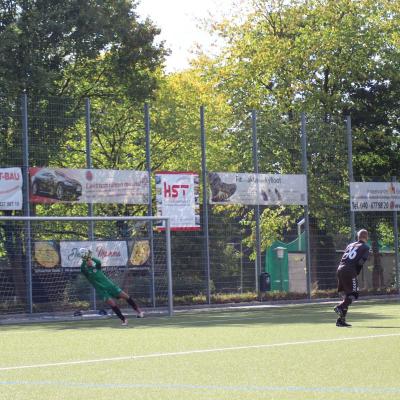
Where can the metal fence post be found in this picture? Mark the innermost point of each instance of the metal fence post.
(350, 172)
(89, 166)
(26, 205)
(304, 163)
(149, 207)
(169, 267)
(257, 207)
(396, 243)
(205, 203)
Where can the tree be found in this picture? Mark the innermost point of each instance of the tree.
(377, 144)
(327, 58)
(41, 39)
(48, 48)
(69, 48)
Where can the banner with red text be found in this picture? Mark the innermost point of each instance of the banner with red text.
(88, 186)
(110, 253)
(10, 189)
(375, 196)
(177, 197)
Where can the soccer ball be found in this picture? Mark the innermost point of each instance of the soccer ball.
(85, 253)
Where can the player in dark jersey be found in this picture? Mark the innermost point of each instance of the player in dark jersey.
(105, 288)
(350, 266)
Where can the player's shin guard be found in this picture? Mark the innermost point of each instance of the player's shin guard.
(118, 312)
(132, 303)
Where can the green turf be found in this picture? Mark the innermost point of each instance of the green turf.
(298, 353)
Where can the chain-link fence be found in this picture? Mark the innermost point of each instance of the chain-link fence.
(296, 248)
(43, 269)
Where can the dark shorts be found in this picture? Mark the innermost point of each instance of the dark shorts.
(109, 292)
(347, 281)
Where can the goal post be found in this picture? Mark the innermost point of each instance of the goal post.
(40, 263)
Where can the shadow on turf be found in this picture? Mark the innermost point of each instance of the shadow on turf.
(315, 315)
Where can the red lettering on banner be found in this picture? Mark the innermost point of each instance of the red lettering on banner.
(102, 252)
(173, 191)
(9, 176)
(184, 187)
(167, 190)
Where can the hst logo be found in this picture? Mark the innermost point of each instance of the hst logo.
(174, 190)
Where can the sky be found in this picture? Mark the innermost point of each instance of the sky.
(178, 21)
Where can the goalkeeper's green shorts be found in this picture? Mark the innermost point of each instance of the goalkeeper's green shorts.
(109, 292)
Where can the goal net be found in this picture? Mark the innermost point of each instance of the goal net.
(40, 262)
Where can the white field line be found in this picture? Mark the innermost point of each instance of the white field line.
(200, 351)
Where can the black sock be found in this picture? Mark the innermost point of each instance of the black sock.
(118, 312)
(348, 299)
(131, 302)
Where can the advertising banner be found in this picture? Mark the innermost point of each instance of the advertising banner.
(268, 189)
(10, 189)
(139, 258)
(88, 186)
(110, 253)
(46, 256)
(375, 196)
(177, 197)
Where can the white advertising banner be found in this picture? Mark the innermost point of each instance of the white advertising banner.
(110, 253)
(88, 186)
(177, 197)
(375, 196)
(269, 189)
(10, 189)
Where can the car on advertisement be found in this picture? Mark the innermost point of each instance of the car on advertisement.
(55, 183)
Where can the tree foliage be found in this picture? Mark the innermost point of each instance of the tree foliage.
(74, 49)
(323, 57)
(328, 59)
(41, 40)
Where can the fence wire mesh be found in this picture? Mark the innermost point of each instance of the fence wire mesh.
(57, 135)
(43, 274)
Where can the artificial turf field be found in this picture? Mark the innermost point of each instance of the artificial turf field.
(287, 352)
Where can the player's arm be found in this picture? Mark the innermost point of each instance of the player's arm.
(85, 254)
(97, 263)
(362, 259)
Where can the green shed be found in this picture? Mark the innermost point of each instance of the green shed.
(277, 264)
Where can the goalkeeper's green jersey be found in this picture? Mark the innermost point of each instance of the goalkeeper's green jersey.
(105, 288)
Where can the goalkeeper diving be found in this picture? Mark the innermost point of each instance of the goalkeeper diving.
(105, 288)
